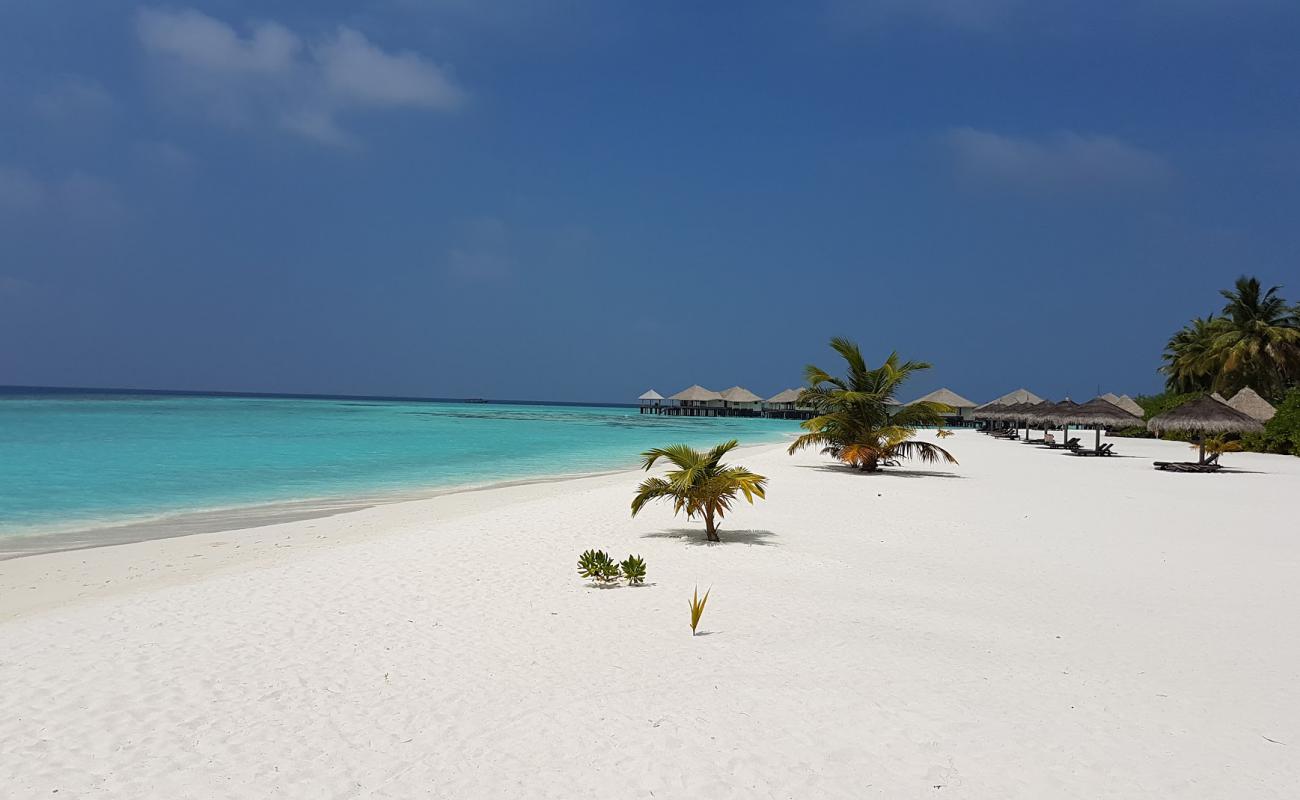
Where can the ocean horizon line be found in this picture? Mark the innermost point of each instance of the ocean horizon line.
(19, 389)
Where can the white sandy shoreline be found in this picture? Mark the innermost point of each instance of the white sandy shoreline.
(1027, 624)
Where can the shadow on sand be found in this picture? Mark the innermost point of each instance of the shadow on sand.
(695, 536)
(887, 472)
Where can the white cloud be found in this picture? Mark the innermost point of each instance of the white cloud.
(271, 75)
(1064, 160)
(73, 97)
(74, 198)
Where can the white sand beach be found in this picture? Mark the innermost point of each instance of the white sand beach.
(1027, 624)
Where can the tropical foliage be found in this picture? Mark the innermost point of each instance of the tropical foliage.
(1254, 341)
(858, 419)
(1281, 433)
(597, 566)
(633, 568)
(701, 485)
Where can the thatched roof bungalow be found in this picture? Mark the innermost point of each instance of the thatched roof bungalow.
(1248, 402)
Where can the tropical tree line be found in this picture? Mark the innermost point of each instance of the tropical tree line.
(1254, 340)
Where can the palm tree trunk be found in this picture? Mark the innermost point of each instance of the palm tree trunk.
(710, 529)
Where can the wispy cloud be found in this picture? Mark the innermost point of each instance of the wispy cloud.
(1062, 160)
(271, 75)
(73, 97)
(74, 198)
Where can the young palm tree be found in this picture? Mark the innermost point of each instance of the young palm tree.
(701, 484)
(854, 422)
(1259, 343)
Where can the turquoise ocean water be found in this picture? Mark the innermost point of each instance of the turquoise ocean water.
(78, 460)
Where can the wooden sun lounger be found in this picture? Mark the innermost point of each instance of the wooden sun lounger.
(1211, 464)
(1073, 444)
(1187, 466)
(1105, 450)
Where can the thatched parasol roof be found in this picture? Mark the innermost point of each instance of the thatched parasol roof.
(1099, 411)
(696, 393)
(1017, 411)
(1012, 398)
(651, 395)
(946, 396)
(1130, 405)
(1053, 412)
(990, 411)
(1204, 415)
(1248, 402)
(788, 396)
(1219, 397)
(1109, 397)
(739, 394)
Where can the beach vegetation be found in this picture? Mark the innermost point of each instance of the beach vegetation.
(1281, 434)
(697, 607)
(700, 484)
(598, 567)
(1218, 445)
(633, 568)
(1253, 341)
(858, 419)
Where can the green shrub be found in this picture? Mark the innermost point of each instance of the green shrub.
(1281, 433)
(597, 566)
(634, 570)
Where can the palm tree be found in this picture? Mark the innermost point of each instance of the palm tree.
(1259, 343)
(854, 421)
(1191, 362)
(701, 484)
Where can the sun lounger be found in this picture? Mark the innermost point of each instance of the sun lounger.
(1104, 450)
(1073, 444)
(1187, 466)
(1210, 464)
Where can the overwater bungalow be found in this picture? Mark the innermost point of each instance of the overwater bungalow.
(696, 401)
(785, 405)
(650, 402)
(963, 412)
(741, 402)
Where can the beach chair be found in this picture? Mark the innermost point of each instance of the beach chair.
(1210, 464)
(1104, 450)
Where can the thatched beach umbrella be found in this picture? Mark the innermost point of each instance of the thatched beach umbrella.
(1248, 402)
(1201, 416)
(1023, 411)
(1130, 405)
(1109, 397)
(1098, 412)
(1049, 413)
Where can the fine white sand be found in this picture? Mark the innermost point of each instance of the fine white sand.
(1028, 624)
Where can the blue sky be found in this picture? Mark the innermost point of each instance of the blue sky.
(586, 198)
